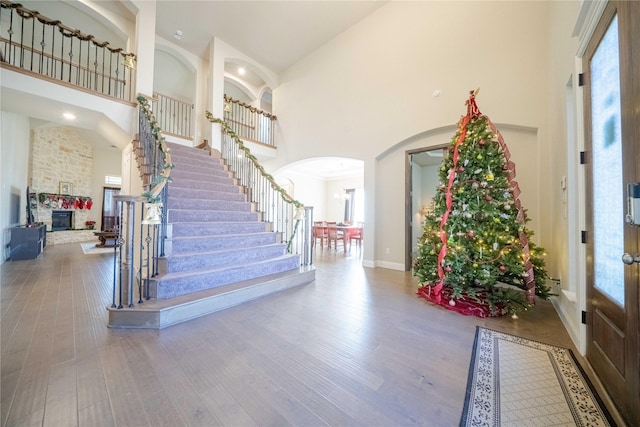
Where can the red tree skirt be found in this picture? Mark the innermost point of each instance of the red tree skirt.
(477, 306)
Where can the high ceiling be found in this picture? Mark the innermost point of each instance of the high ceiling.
(276, 34)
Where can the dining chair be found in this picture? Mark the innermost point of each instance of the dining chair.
(335, 235)
(319, 232)
(357, 233)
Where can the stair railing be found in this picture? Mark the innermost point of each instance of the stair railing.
(146, 244)
(288, 216)
(249, 122)
(45, 47)
(175, 116)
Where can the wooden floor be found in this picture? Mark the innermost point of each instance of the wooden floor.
(354, 348)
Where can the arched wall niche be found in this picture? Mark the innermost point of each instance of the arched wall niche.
(173, 76)
(390, 182)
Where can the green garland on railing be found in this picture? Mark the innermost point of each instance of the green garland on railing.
(274, 185)
(153, 195)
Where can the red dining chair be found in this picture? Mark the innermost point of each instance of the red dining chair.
(335, 235)
(320, 232)
(356, 234)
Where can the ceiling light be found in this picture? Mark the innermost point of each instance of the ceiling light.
(177, 35)
(241, 70)
(69, 116)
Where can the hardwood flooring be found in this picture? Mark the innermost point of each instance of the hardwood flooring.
(356, 347)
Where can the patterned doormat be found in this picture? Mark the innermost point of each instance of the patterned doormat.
(518, 382)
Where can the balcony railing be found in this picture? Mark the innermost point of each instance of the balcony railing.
(174, 116)
(36, 44)
(250, 123)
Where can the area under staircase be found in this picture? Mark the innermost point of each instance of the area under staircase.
(218, 251)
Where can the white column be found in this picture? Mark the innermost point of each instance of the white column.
(144, 45)
(215, 104)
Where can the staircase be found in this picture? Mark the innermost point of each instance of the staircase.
(218, 252)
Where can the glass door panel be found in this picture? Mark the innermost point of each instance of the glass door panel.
(608, 204)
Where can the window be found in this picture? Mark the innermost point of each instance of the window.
(112, 180)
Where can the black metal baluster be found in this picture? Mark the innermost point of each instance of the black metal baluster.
(11, 55)
(120, 244)
(141, 257)
(95, 69)
(53, 50)
(115, 276)
(22, 42)
(62, 56)
(42, 45)
(110, 68)
(70, 56)
(103, 63)
(33, 36)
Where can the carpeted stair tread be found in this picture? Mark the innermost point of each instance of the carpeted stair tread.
(180, 283)
(177, 275)
(198, 261)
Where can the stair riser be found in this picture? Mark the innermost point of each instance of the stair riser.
(209, 205)
(170, 288)
(205, 186)
(209, 261)
(216, 243)
(229, 193)
(216, 229)
(180, 215)
(192, 172)
(186, 179)
(208, 167)
(181, 150)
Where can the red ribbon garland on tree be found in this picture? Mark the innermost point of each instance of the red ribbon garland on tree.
(472, 112)
(510, 169)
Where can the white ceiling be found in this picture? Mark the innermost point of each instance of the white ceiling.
(276, 34)
(327, 168)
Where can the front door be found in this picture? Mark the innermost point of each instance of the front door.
(612, 130)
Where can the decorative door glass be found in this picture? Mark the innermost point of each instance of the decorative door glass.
(608, 209)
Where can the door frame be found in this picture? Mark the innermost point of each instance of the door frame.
(623, 390)
(408, 199)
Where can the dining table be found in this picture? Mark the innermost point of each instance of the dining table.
(348, 230)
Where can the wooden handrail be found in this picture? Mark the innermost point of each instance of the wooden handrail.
(60, 60)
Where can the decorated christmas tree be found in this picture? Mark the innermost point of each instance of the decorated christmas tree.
(475, 255)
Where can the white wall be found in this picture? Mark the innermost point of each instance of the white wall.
(14, 169)
(335, 208)
(371, 90)
(565, 207)
(306, 188)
